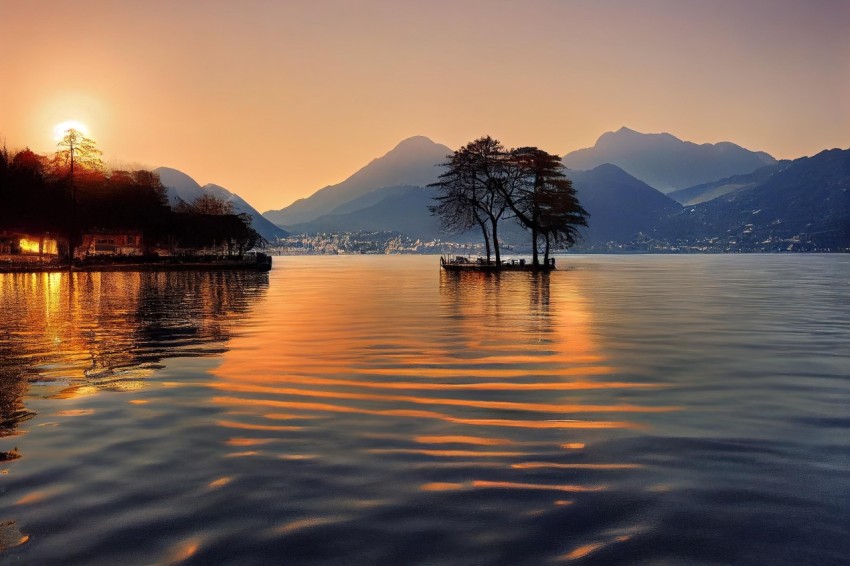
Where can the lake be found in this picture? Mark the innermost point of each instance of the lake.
(373, 410)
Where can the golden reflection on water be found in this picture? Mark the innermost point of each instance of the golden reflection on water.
(470, 371)
(486, 484)
(330, 346)
(88, 332)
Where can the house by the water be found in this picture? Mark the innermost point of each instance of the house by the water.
(31, 248)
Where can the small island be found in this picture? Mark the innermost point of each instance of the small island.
(484, 183)
(464, 264)
(69, 211)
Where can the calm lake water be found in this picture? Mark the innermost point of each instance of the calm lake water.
(373, 410)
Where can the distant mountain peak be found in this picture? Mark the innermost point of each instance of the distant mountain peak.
(666, 162)
(414, 161)
(413, 147)
(171, 177)
(630, 135)
(415, 141)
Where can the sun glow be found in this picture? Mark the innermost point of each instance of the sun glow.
(60, 130)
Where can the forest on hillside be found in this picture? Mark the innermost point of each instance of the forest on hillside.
(72, 197)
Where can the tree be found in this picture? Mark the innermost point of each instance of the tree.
(560, 215)
(77, 154)
(210, 222)
(77, 165)
(544, 200)
(205, 204)
(472, 190)
(483, 184)
(457, 193)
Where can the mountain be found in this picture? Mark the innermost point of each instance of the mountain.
(805, 199)
(664, 161)
(708, 191)
(413, 162)
(390, 209)
(620, 205)
(182, 186)
(179, 185)
(809, 198)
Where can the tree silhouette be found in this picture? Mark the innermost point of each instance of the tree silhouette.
(205, 204)
(483, 183)
(77, 154)
(73, 194)
(458, 193)
(544, 200)
(472, 190)
(559, 215)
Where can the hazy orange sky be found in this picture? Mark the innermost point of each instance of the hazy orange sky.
(275, 100)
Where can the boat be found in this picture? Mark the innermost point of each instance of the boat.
(465, 264)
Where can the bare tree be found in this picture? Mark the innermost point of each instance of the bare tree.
(458, 192)
(472, 191)
(205, 204)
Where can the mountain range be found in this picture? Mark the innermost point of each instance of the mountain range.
(665, 162)
(390, 193)
(736, 195)
(181, 186)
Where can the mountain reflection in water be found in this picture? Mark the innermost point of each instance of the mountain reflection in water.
(375, 410)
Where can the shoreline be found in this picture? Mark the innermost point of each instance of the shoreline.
(262, 263)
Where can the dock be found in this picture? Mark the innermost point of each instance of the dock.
(465, 264)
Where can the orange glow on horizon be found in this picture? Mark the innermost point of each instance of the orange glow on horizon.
(667, 71)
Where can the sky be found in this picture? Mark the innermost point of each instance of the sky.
(275, 100)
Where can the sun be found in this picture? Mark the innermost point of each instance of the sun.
(60, 130)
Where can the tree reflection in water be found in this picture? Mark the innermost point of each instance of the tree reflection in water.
(74, 333)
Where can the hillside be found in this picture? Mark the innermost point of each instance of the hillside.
(182, 186)
(709, 191)
(808, 198)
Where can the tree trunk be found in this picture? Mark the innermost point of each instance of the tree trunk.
(546, 256)
(535, 261)
(486, 239)
(496, 250)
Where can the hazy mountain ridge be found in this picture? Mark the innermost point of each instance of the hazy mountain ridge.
(665, 162)
(182, 186)
(414, 162)
(801, 197)
(709, 191)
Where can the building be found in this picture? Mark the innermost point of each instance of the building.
(111, 243)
